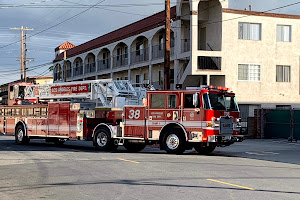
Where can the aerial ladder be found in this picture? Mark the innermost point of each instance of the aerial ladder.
(103, 92)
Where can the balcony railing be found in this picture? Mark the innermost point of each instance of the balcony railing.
(138, 56)
(185, 45)
(158, 51)
(120, 60)
(90, 68)
(103, 64)
(68, 73)
(210, 63)
(77, 71)
(57, 76)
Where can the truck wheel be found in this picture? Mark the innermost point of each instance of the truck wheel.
(134, 147)
(205, 150)
(20, 137)
(103, 140)
(174, 142)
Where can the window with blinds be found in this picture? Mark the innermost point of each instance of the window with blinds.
(249, 72)
(249, 31)
(284, 33)
(283, 73)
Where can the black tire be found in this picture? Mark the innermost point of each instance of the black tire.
(59, 142)
(205, 150)
(174, 141)
(20, 136)
(103, 140)
(134, 147)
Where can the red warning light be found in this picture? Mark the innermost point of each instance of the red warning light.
(211, 87)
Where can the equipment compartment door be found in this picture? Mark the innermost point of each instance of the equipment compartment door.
(53, 116)
(64, 119)
(135, 122)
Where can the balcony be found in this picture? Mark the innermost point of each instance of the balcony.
(120, 61)
(103, 64)
(158, 51)
(77, 71)
(139, 56)
(68, 73)
(209, 63)
(57, 76)
(185, 45)
(90, 68)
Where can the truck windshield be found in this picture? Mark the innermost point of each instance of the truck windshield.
(220, 101)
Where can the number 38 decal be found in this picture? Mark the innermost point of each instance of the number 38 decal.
(134, 114)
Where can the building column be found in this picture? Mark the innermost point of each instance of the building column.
(150, 73)
(208, 80)
(129, 74)
(194, 33)
(176, 71)
(111, 67)
(177, 37)
(96, 64)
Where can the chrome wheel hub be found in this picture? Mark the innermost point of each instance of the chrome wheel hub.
(102, 139)
(172, 141)
(20, 135)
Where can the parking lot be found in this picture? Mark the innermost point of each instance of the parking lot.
(253, 169)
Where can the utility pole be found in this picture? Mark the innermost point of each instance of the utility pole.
(22, 29)
(25, 57)
(167, 45)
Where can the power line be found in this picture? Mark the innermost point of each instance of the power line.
(70, 18)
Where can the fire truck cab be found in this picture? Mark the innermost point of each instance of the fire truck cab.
(184, 119)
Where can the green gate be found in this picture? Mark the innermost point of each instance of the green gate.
(281, 124)
(277, 124)
(296, 125)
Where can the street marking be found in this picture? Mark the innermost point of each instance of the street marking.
(247, 188)
(128, 160)
(261, 153)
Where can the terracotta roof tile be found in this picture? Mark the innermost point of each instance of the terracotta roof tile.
(135, 28)
(65, 46)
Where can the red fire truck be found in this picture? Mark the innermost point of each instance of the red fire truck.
(112, 113)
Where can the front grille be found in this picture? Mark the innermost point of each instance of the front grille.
(226, 125)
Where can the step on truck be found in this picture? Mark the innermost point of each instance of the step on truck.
(113, 113)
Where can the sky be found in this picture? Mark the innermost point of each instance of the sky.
(76, 21)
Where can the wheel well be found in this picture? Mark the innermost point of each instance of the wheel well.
(20, 123)
(105, 126)
(167, 127)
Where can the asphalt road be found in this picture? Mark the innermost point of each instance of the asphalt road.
(253, 169)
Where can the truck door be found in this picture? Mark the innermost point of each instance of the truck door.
(191, 115)
(134, 121)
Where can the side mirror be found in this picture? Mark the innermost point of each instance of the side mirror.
(196, 99)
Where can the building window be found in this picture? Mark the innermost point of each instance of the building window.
(283, 73)
(139, 48)
(283, 33)
(249, 31)
(161, 77)
(249, 72)
(161, 42)
(138, 78)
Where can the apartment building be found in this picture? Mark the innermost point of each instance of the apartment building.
(257, 55)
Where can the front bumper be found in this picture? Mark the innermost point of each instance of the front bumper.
(225, 138)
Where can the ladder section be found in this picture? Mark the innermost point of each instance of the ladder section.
(104, 92)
